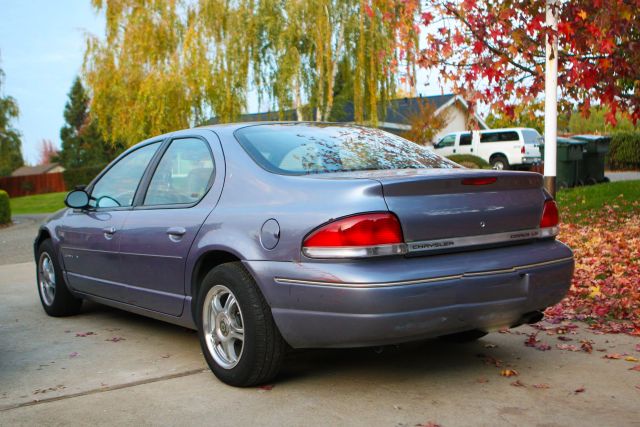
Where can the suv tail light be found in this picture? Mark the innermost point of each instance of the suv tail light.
(365, 235)
(550, 219)
(523, 150)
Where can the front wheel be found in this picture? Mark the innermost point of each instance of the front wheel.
(56, 298)
(239, 339)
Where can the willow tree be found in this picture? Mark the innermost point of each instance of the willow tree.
(169, 64)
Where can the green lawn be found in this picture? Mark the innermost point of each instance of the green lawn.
(623, 196)
(41, 203)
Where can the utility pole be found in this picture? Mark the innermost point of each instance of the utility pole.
(551, 101)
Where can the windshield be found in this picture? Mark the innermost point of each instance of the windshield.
(299, 149)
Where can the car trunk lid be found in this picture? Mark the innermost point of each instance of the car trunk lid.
(440, 209)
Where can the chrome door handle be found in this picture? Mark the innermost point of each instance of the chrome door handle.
(176, 231)
(109, 230)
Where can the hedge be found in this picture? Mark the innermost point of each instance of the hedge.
(469, 161)
(5, 208)
(624, 152)
(80, 176)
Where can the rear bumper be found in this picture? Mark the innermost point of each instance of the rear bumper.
(397, 299)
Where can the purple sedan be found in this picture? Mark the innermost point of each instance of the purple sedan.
(270, 236)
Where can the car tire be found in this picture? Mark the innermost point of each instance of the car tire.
(230, 307)
(499, 163)
(465, 336)
(55, 296)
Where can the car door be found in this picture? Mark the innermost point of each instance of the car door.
(158, 234)
(90, 237)
(464, 144)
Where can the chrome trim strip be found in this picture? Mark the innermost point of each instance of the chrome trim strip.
(515, 269)
(118, 253)
(486, 239)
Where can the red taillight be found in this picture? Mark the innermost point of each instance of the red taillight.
(523, 150)
(363, 235)
(479, 181)
(550, 216)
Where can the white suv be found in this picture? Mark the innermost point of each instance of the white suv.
(502, 148)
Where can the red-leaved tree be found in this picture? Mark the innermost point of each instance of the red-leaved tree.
(48, 152)
(494, 51)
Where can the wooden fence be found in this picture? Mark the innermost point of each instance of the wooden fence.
(27, 185)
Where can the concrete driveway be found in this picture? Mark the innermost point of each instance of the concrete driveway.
(107, 367)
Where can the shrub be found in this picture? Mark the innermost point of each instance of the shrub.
(624, 152)
(469, 161)
(80, 176)
(5, 208)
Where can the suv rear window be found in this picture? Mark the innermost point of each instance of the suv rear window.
(531, 136)
(300, 149)
(499, 136)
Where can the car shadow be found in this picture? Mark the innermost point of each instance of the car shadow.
(413, 360)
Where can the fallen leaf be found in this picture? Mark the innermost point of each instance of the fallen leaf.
(518, 383)
(509, 373)
(612, 356)
(266, 387)
(531, 341)
(428, 424)
(579, 390)
(543, 347)
(84, 334)
(74, 354)
(563, 338)
(631, 359)
(542, 385)
(635, 368)
(586, 346)
(115, 339)
(637, 347)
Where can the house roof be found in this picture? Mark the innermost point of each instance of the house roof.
(34, 170)
(397, 111)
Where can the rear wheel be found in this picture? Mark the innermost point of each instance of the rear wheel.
(466, 336)
(499, 162)
(56, 298)
(239, 339)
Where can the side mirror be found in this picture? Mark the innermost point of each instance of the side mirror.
(77, 199)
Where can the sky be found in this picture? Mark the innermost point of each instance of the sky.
(41, 51)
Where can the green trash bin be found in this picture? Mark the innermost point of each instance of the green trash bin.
(569, 156)
(591, 171)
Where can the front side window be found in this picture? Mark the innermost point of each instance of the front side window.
(465, 139)
(117, 187)
(183, 174)
(298, 149)
(447, 141)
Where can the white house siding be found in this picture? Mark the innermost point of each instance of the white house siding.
(458, 117)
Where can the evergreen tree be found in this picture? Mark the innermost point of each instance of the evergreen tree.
(82, 144)
(10, 142)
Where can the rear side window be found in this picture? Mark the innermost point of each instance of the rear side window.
(299, 149)
(183, 174)
(499, 136)
(465, 139)
(531, 136)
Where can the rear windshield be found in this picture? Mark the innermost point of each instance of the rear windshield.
(531, 136)
(299, 149)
